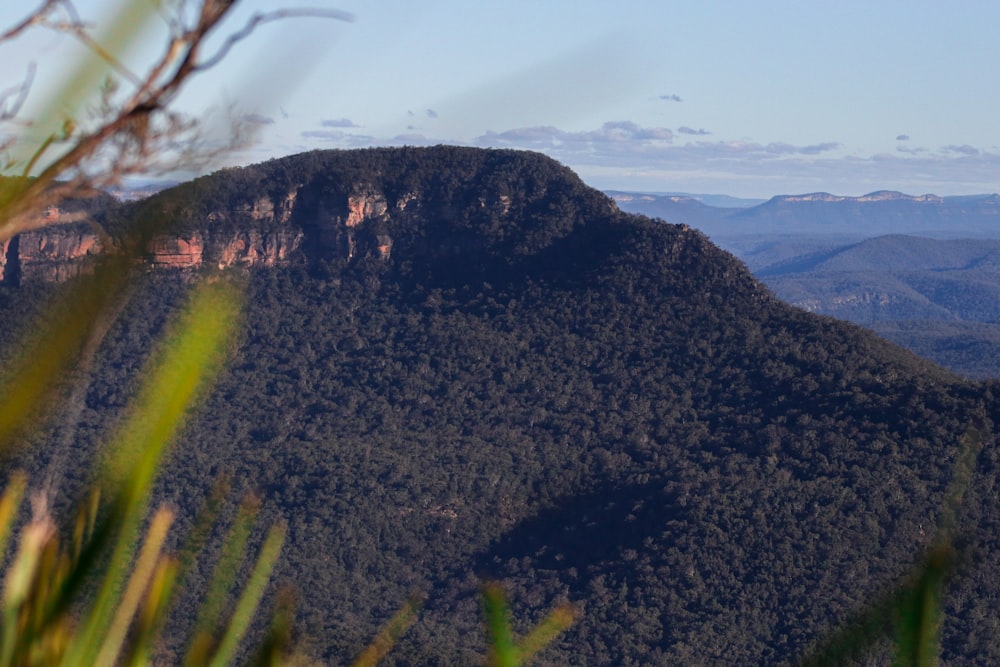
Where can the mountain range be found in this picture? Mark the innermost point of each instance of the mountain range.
(460, 365)
(875, 214)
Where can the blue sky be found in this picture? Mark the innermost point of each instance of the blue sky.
(744, 98)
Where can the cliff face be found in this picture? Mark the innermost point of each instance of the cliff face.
(337, 208)
(50, 254)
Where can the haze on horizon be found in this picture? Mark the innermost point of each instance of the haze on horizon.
(745, 99)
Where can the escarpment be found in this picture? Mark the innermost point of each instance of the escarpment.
(425, 209)
(50, 254)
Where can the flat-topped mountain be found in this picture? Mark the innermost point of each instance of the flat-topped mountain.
(466, 364)
(879, 196)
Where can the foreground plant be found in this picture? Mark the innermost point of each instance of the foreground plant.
(96, 590)
(100, 596)
(911, 613)
(505, 649)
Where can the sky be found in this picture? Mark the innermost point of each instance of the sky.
(745, 98)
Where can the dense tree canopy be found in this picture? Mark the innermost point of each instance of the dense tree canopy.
(589, 406)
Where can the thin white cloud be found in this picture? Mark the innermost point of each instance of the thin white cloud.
(964, 149)
(701, 132)
(338, 122)
(626, 155)
(612, 132)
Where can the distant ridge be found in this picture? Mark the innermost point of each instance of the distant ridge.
(874, 214)
(877, 196)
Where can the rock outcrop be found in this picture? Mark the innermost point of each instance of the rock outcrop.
(49, 254)
(257, 234)
(254, 247)
(176, 252)
(335, 208)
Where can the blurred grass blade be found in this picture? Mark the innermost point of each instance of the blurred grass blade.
(273, 650)
(79, 318)
(558, 620)
(138, 583)
(918, 625)
(961, 477)
(21, 575)
(913, 609)
(501, 637)
(390, 634)
(127, 25)
(250, 599)
(190, 357)
(223, 577)
(155, 605)
(9, 504)
(200, 533)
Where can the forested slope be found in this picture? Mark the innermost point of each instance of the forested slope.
(587, 405)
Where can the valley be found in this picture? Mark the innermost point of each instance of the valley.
(921, 271)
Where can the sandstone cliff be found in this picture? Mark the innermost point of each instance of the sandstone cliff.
(49, 254)
(383, 207)
(258, 234)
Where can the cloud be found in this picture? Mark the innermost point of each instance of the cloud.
(624, 155)
(257, 119)
(691, 130)
(671, 98)
(612, 132)
(812, 149)
(626, 129)
(964, 149)
(902, 137)
(339, 122)
(431, 113)
(620, 143)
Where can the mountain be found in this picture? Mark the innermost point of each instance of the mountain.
(460, 364)
(716, 201)
(874, 214)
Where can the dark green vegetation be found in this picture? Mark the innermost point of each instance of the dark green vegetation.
(871, 261)
(588, 406)
(939, 298)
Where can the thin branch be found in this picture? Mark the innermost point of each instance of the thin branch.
(35, 18)
(259, 19)
(132, 131)
(19, 94)
(79, 30)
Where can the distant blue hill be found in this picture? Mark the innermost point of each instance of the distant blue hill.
(922, 271)
(874, 214)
